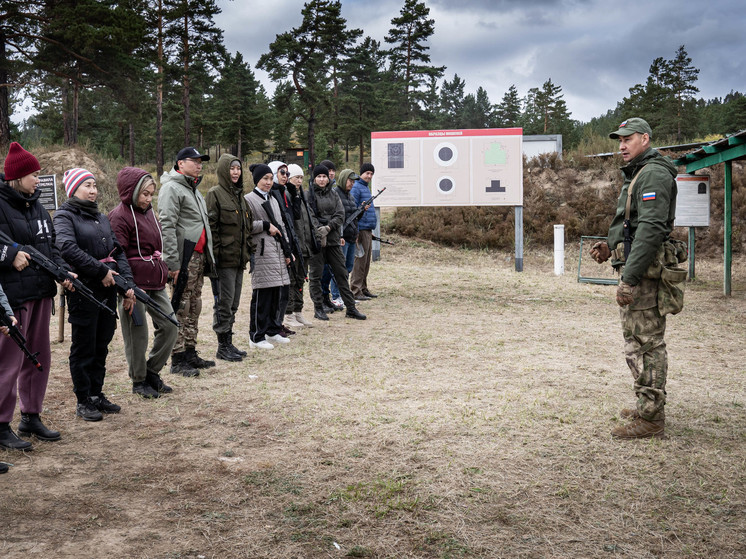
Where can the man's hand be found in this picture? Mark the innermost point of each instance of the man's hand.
(5, 330)
(21, 261)
(600, 252)
(625, 294)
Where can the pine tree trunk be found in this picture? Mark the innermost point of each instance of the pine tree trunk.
(238, 147)
(185, 97)
(132, 145)
(4, 99)
(159, 97)
(312, 137)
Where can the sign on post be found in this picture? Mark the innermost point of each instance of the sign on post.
(48, 187)
(693, 201)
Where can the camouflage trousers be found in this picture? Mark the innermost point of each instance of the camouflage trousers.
(191, 304)
(645, 352)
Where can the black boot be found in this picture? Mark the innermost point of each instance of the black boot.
(3, 467)
(103, 404)
(327, 304)
(194, 360)
(179, 365)
(354, 313)
(10, 441)
(224, 351)
(318, 312)
(145, 390)
(235, 350)
(156, 382)
(31, 425)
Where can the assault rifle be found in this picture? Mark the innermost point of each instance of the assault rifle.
(123, 285)
(380, 240)
(358, 212)
(41, 262)
(15, 334)
(181, 281)
(280, 238)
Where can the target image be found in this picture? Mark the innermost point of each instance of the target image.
(445, 154)
(446, 185)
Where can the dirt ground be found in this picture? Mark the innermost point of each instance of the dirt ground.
(469, 416)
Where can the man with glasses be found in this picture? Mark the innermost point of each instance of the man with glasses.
(183, 214)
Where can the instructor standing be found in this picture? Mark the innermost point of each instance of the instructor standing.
(639, 248)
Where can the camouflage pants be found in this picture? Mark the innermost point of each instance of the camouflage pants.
(191, 304)
(645, 352)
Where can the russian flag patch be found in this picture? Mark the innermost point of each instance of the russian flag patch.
(648, 196)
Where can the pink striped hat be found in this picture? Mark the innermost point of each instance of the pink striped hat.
(73, 178)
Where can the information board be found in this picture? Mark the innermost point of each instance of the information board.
(693, 201)
(481, 167)
(48, 187)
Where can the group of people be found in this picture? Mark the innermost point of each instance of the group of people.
(122, 262)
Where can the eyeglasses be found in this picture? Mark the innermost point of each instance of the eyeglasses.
(195, 161)
(282, 172)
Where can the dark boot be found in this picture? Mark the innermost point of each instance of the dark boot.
(3, 467)
(235, 350)
(194, 360)
(31, 425)
(87, 411)
(224, 351)
(103, 404)
(145, 390)
(319, 313)
(179, 365)
(10, 441)
(156, 382)
(354, 313)
(327, 304)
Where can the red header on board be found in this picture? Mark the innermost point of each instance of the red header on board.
(448, 133)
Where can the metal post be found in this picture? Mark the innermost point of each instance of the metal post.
(727, 219)
(375, 247)
(518, 238)
(559, 250)
(691, 254)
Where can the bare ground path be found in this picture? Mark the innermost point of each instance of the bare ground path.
(469, 416)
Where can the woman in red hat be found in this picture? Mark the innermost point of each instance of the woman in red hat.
(30, 292)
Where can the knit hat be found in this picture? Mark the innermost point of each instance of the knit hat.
(367, 167)
(73, 178)
(319, 170)
(19, 163)
(328, 164)
(295, 170)
(258, 170)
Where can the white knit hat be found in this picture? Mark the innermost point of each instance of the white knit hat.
(295, 170)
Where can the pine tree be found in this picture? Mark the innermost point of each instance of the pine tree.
(409, 53)
(508, 111)
(451, 103)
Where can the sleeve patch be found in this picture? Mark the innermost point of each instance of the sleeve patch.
(648, 196)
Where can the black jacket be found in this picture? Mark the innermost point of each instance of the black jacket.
(26, 222)
(85, 238)
(348, 202)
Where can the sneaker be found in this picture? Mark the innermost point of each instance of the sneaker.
(287, 332)
(640, 429)
(103, 404)
(145, 390)
(338, 304)
(300, 318)
(320, 314)
(263, 344)
(88, 412)
(278, 338)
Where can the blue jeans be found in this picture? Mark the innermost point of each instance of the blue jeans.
(327, 279)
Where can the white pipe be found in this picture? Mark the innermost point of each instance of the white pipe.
(559, 250)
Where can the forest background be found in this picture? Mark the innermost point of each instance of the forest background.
(135, 81)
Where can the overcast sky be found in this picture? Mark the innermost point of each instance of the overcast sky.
(594, 49)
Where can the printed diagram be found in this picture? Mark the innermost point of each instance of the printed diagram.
(446, 185)
(495, 154)
(396, 155)
(445, 154)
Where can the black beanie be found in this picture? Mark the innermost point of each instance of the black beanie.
(367, 167)
(258, 170)
(319, 170)
(328, 164)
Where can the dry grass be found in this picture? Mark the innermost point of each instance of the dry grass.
(469, 416)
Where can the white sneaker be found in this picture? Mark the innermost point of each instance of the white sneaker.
(264, 344)
(291, 322)
(279, 338)
(339, 301)
(302, 320)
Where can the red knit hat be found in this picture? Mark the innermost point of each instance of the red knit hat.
(19, 163)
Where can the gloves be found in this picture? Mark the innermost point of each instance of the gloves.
(323, 231)
(600, 252)
(625, 294)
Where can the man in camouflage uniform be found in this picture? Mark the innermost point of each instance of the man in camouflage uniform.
(652, 208)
